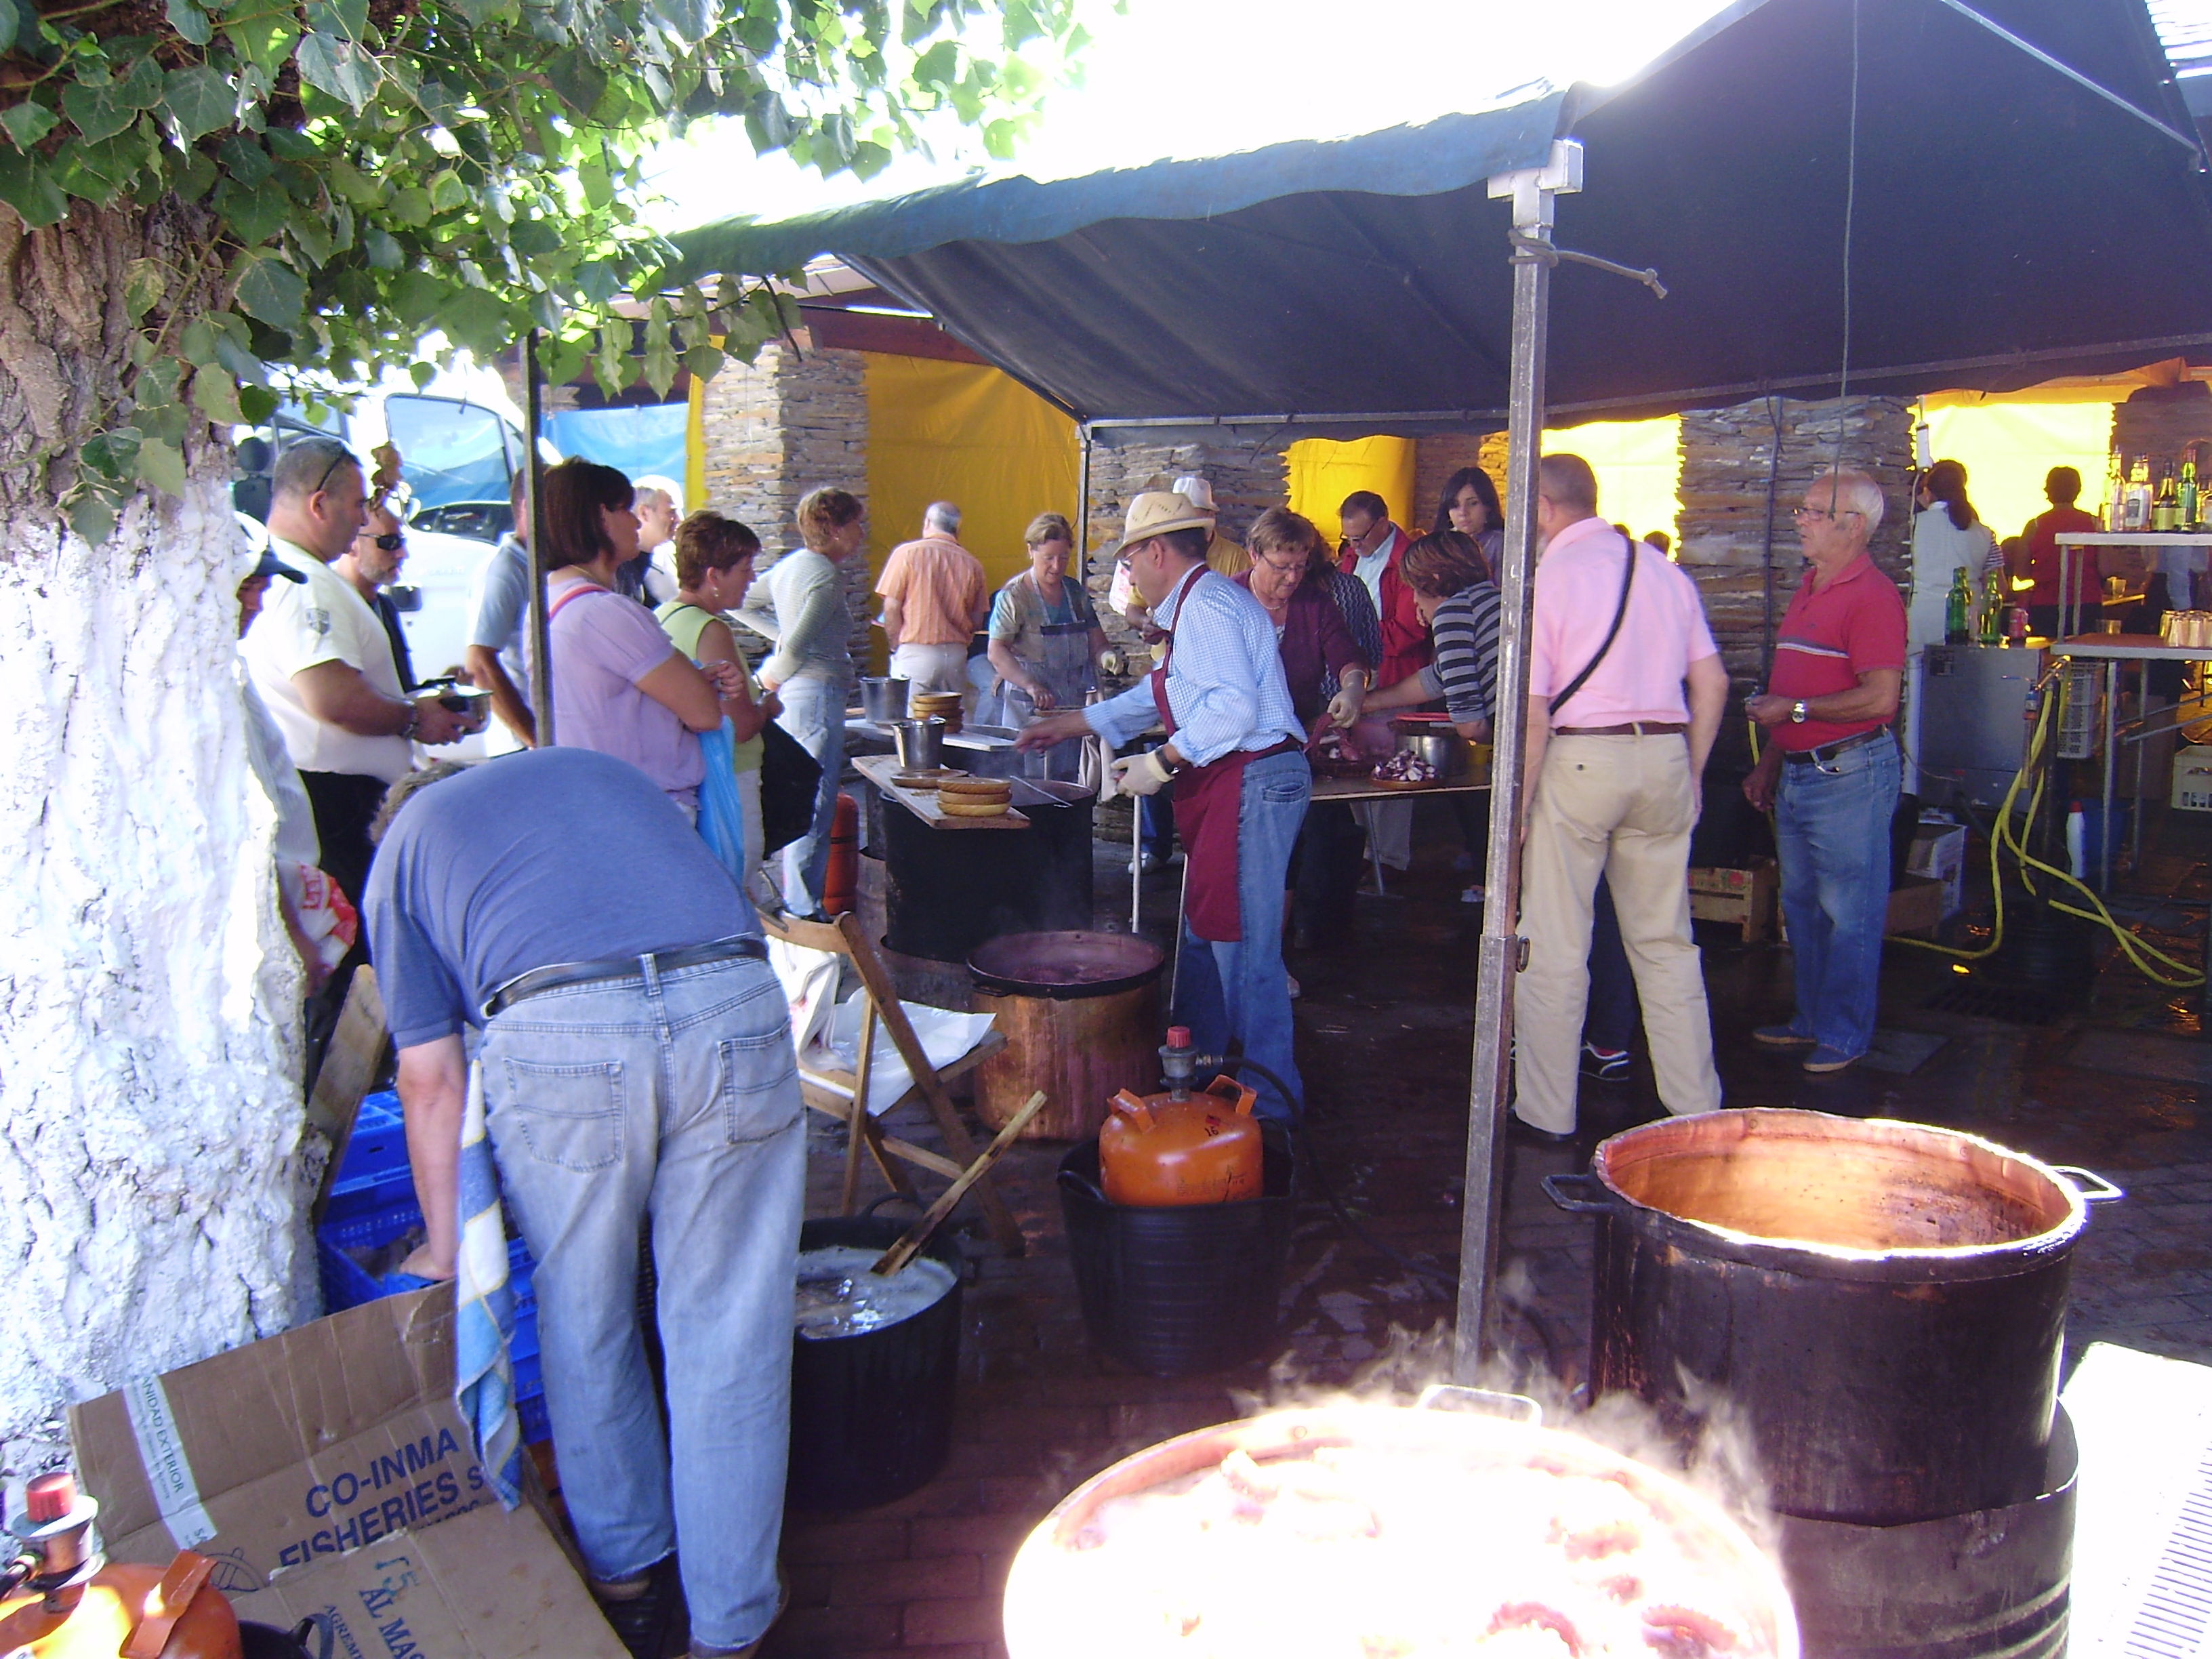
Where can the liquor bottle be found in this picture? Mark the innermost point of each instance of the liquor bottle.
(1993, 606)
(2116, 493)
(2138, 513)
(2166, 510)
(2190, 497)
(1959, 609)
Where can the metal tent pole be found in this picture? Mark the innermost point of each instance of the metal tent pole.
(1499, 957)
(541, 651)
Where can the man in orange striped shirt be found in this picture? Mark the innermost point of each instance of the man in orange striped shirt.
(935, 600)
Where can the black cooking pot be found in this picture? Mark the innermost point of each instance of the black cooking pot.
(1881, 1304)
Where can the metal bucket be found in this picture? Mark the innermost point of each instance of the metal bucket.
(1883, 1304)
(882, 700)
(921, 744)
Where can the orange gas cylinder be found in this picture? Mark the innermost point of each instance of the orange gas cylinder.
(61, 1611)
(1155, 1149)
(842, 877)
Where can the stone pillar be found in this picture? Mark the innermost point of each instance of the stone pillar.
(1722, 529)
(1247, 479)
(790, 422)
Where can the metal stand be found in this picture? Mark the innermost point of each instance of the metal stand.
(541, 643)
(1499, 957)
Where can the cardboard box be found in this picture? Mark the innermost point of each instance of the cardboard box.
(329, 1475)
(2193, 779)
(1939, 851)
(1743, 898)
(1916, 906)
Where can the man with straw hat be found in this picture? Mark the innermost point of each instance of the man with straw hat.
(1234, 751)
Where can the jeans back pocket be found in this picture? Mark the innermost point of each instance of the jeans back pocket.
(569, 1116)
(759, 1088)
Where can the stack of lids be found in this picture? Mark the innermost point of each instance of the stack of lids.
(944, 705)
(974, 797)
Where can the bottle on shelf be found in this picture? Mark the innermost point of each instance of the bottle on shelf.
(1993, 608)
(2166, 509)
(1959, 609)
(2190, 497)
(2138, 508)
(2116, 493)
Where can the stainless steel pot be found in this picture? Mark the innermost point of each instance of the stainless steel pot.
(882, 699)
(921, 744)
(1435, 743)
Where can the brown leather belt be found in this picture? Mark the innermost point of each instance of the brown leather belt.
(1633, 729)
(620, 967)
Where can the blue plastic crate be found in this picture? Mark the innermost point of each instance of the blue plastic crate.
(379, 1144)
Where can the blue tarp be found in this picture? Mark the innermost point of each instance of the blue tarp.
(639, 439)
(2008, 225)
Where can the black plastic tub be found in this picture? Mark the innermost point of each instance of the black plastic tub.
(872, 1413)
(1179, 1291)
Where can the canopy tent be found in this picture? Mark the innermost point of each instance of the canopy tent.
(2008, 224)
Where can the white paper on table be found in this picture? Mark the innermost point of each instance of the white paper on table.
(945, 1035)
(810, 985)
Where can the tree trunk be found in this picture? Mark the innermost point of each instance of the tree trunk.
(151, 1179)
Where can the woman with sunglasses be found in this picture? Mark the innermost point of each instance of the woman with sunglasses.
(619, 685)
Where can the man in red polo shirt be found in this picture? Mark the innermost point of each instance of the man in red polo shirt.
(1831, 769)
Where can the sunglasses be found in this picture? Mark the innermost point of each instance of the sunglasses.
(391, 543)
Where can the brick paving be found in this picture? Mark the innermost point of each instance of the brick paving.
(1385, 1034)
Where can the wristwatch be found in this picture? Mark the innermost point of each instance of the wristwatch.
(415, 722)
(1797, 712)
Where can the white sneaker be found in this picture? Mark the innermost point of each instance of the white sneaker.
(1293, 981)
(1472, 895)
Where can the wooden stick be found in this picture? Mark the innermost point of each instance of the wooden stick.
(857, 1126)
(917, 1234)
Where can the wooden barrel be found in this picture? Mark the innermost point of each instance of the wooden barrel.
(1081, 1015)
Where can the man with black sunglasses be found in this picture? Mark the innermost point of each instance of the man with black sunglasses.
(325, 667)
(372, 565)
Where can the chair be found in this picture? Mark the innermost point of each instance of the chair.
(842, 1095)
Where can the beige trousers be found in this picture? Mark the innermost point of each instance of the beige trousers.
(1622, 806)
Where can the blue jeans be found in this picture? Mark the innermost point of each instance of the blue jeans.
(1832, 829)
(1241, 992)
(814, 715)
(675, 1097)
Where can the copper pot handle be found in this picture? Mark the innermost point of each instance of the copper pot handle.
(2093, 1186)
(1483, 1402)
(1581, 1194)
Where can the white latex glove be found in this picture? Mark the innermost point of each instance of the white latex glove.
(1139, 775)
(1344, 708)
(1111, 661)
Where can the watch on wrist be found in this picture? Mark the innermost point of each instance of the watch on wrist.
(414, 721)
(1797, 712)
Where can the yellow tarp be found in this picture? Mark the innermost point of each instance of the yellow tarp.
(966, 434)
(1323, 472)
(1637, 464)
(2006, 449)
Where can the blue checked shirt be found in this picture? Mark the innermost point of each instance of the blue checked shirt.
(1226, 680)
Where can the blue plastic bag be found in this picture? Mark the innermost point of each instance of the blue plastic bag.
(721, 817)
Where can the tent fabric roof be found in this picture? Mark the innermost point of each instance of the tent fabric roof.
(2007, 226)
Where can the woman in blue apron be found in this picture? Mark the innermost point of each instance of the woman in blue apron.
(1045, 639)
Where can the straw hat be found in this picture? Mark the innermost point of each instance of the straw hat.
(1157, 512)
(1198, 493)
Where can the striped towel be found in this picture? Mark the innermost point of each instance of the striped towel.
(483, 1309)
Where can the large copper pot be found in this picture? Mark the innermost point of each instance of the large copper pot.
(1066, 1600)
(1081, 1015)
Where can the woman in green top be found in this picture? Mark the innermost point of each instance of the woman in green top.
(713, 568)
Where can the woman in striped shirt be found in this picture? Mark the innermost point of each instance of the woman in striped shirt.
(1452, 590)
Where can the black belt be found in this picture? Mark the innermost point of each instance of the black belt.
(619, 968)
(1822, 756)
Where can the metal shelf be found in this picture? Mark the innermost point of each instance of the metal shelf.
(2130, 648)
(2136, 538)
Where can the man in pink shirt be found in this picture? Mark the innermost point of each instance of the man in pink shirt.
(1616, 753)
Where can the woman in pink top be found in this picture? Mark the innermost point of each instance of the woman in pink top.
(618, 685)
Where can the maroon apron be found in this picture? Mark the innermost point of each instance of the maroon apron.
(1208, 804)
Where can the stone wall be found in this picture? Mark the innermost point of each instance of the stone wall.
(1722, 526)
(789, 422)
(2160, 422)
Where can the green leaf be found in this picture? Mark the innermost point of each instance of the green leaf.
(410, 207)
(143, 283)
(194, 176)
(447, 194)
(480, 12)
(263, 38)
(195, 343)
(257, 403)
(113, 454)
(610, 364)
(162, 466)
(11, 23)
(98, 172)
(350, 182)
(253, 215)
(338, 67)
(200, 101)
(477, 321)
(191, 22)
(215, 394)
(27, 184)
(599, 188)
(142, 88)
(703, 361)
(244, 160)
(26, 122)
(98, 111)
(422, 374)
(579, 83)
(383, 252)
(163, 423)
(272, 290)
(92, 515)
(415, 295)
(690, 21)
(312, 234)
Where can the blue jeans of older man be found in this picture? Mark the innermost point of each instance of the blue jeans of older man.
(1239, 993)
(672, 1097)
(1832, 829)
(814, 715)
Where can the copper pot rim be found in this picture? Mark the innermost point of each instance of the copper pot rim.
(1995, 1259)
(1296, 1429)
(997, 977)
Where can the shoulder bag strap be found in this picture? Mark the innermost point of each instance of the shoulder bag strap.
(1627, 581)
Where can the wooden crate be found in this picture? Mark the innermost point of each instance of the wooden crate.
(1744, 898)
(1916, 907)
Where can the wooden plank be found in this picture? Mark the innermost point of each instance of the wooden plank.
(880, 769)
(350, 1066)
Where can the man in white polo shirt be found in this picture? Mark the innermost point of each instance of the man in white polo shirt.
(322, 662)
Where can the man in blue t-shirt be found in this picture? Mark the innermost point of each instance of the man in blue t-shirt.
(636, 1061)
